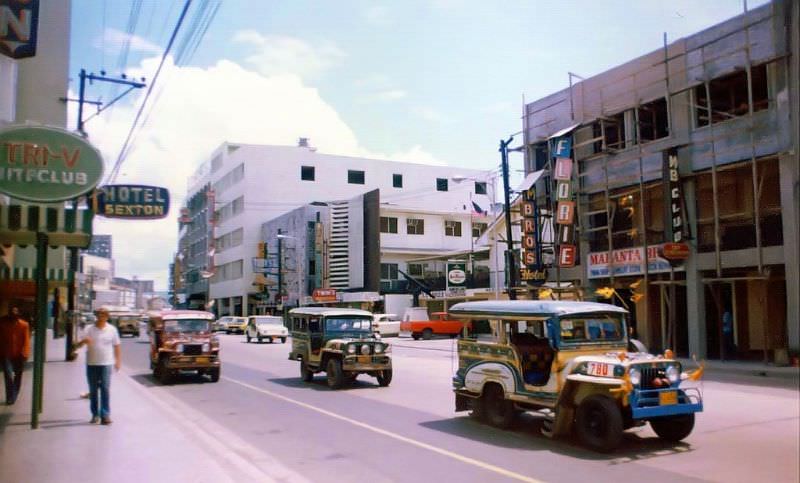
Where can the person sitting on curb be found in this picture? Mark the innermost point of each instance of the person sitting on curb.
(103, 352)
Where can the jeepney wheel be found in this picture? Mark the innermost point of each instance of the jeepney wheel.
(478, 409)
(260, 340)
(247, 336)
(426, 334)
(164, 375)
(214, 373)
(415, 336)
(335, 374)
(305, 372)
(384, 377)
(599, 423)
(499, 411)
(673, 428)
(283, 340)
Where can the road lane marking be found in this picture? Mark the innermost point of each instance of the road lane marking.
(390, 434)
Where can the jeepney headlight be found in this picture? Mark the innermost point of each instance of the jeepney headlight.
(635, 375)
(673, 373)
(365, 349)
(206, 347)
(179, 347)
(351, 349)
(378, 348)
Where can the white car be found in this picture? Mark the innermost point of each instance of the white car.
(386, 324)
(262, 327)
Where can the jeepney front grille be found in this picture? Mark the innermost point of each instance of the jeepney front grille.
(192, 349)
(650, 374)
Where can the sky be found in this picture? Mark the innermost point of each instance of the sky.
(435, 82)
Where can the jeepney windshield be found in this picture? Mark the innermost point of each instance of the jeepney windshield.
(594, 328)
(186, 325)
(347, 324)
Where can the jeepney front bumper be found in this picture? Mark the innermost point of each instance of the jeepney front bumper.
(671, 401)
(368, 363)
(189, 363)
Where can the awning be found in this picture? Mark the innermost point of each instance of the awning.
(450, 255)
(530, 180)
(564, 131)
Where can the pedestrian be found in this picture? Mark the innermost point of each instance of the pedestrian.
(15, 348)
(103, 352)
(727, 334)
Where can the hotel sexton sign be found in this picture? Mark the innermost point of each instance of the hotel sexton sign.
(131, 202)
(45, 164)
(19, 23)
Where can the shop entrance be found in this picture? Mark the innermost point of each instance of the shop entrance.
(745, 317)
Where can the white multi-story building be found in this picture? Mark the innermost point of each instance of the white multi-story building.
(251, 184)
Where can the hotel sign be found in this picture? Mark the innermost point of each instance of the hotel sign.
(132, 202)
(19, 25)
(45, 164)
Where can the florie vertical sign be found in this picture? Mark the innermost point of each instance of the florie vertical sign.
(44, 164)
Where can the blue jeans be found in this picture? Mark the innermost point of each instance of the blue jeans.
(99, 378)
(12, 374)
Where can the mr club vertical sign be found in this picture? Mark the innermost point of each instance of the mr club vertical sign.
(19, 25)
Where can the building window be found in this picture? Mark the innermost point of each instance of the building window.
(614, 131)
(729, 96)
(653, 120)
(441, 184)
(415, 226)
(478, 229)
(737, 208)
(355, 177)
(307, 173)
(388, 224)
(416, 269)
(397, 180)
(452, 228)
(389, 271)
(480, 187)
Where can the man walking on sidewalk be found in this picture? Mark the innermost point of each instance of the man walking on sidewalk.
(103, 352)
(15, 348)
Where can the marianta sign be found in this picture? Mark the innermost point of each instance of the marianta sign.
(626, 261)
(45, 164)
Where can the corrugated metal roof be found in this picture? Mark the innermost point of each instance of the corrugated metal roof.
(532, 307)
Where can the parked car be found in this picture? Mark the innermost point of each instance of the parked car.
(181, 340)
(386, 324)
(231, 324)
(417, 322)
(572, 363)
(262, 327)
(339, 342)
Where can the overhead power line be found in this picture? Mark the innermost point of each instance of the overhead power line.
(124, 150)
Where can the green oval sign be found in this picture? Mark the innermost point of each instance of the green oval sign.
(47, 164)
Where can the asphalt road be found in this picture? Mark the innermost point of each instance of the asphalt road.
(409, 431)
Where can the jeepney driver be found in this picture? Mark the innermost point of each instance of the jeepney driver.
(103, 352)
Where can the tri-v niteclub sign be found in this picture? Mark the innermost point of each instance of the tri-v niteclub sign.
(128, 201)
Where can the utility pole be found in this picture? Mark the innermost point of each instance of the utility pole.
(511, 265)
(83, 76)
(280, 267)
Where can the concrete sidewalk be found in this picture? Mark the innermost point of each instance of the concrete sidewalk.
(150, 440)
(747, 369)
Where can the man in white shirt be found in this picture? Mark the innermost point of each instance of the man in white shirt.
(103, 352)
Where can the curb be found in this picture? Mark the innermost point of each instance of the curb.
(231, 452)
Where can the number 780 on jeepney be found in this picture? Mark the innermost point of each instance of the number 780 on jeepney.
(574, 363)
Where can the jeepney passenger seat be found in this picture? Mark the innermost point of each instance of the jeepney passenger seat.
(536, 357)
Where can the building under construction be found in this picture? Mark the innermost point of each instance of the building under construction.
(695, 143)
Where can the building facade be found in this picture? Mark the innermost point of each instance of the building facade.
(101, 246)
(695, 143)
(248, 185)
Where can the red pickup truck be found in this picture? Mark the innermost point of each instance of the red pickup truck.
(417, 322)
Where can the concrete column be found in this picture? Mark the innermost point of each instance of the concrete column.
(695, 289)
(789, 213)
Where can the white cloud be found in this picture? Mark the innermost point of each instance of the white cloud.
(280, 54)
(113, 38)
(429, 114)
(385, 96)
(198, 109)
